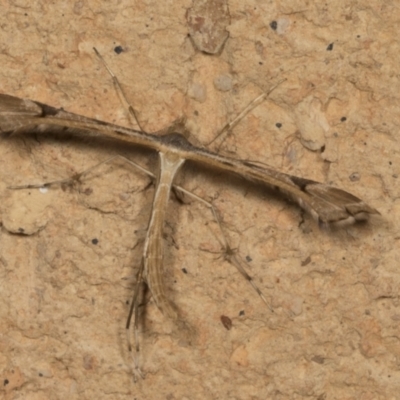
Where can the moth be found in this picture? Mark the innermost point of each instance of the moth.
(329, 206)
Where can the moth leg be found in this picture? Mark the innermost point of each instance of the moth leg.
(253, 104)
(118, 89)
(229, 253)
(134, 311)
(72, 180)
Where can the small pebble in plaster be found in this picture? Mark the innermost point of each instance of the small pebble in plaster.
(318, 359)
(226, 322)
(330, 47)
(296, 305)
(312, 123)
(282, 24)
(44, 372)
(118, 49)
(43, 190)
(198, 92)
(354, 177)
(223, 83)
(306, 261)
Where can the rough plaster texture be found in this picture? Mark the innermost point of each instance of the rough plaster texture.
(334, 332)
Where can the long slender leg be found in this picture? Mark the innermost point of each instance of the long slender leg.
(251, 106)
(118, 89)
(229, 253)
(80, 175)
(134, 310)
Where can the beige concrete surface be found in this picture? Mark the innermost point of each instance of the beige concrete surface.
(334, 332)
